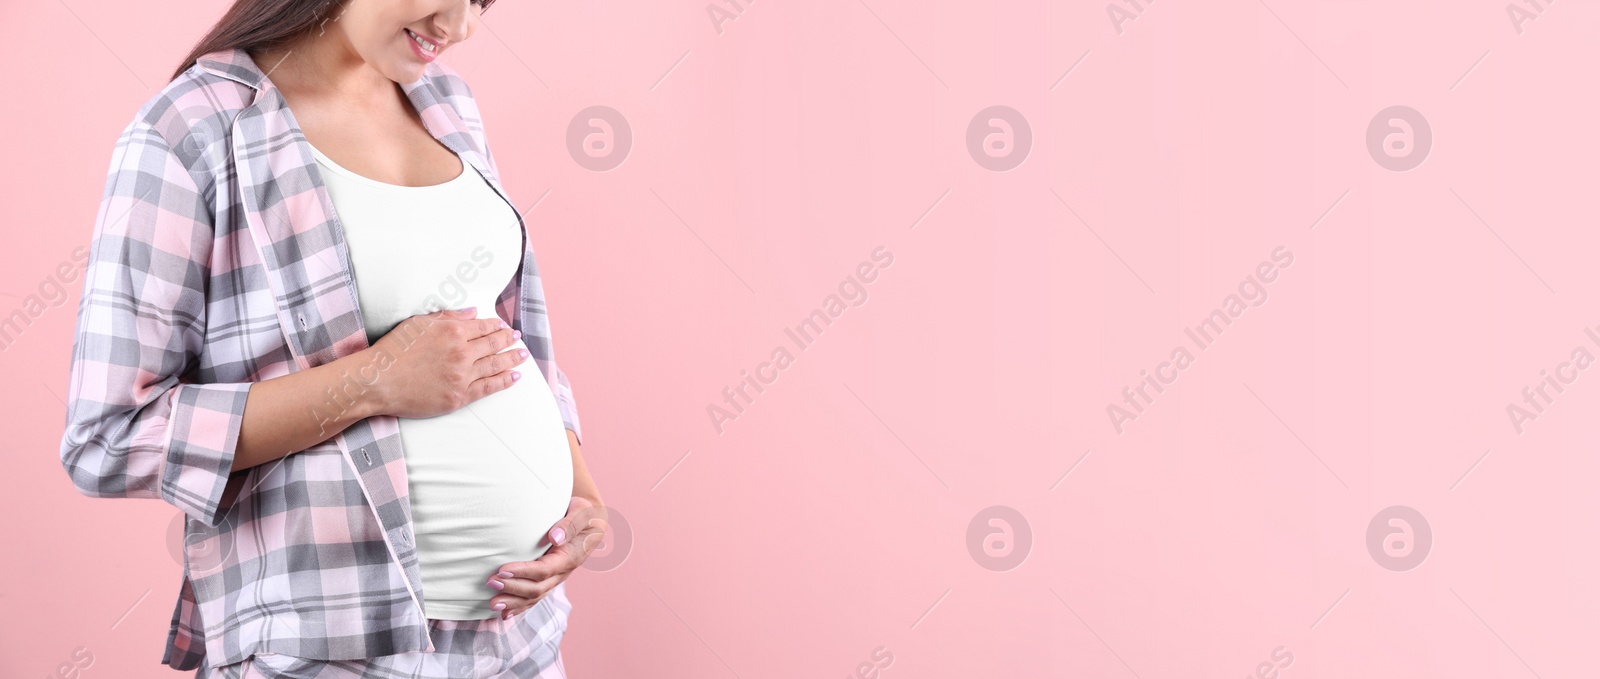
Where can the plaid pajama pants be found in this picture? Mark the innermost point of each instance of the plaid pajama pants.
(528, 646)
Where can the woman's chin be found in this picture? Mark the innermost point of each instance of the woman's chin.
(408, 73)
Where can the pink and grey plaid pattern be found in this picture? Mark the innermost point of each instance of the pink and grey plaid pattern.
(528, 646)
(217, 262)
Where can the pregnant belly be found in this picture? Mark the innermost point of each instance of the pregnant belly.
(486, 482)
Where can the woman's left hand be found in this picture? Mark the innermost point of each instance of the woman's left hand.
(524, 583)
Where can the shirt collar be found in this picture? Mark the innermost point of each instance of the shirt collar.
(234, 64)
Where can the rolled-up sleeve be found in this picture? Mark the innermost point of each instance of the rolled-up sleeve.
(139, 424)
(564, 401)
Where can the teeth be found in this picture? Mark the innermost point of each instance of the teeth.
(425, 44)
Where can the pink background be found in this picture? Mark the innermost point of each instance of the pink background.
(831, 518)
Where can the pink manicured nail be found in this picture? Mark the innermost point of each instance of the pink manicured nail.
(558, 535)
(499, 606)
(516, 334)
(503, 325)
(515, 376)
(505, 574)
(496, 584)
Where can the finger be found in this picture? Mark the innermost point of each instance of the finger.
(498, 361)
(495, 339)
(510, 613)
(568, 557)
(558, 533)
(590, 540)
(590, 522)
(553, 562)
(572, 553)
(584, 523)
(484, 386)
(520, 587)
(538, 569)
(588, 534)
(488, 326)
(586, 515)
(515, 603)
(506, 605)
(478, 327)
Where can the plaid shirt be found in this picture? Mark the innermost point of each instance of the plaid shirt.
(217, 262)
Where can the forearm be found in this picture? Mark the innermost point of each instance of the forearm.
(582, 483)
(291, 413)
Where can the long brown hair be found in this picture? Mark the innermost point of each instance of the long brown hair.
(261, 24)
(266, 24)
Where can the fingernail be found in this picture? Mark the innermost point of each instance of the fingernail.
(497, 585)
(503, 324)
(469, 309)
(516, 334)
(515, 376)
(558, 535)
(498, 607)
(522, 352)
(505, 574)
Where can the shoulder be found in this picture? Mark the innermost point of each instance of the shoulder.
(199, 102)
(192, 117)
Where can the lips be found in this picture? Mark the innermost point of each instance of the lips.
(425, 47)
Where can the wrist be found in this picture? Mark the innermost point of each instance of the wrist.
(363, 373)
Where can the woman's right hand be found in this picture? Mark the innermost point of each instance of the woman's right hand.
(437, 363)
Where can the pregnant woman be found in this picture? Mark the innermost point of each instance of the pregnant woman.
(305, 323)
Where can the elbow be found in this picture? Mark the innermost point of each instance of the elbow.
(98, 469)
(88, 483)
(88, 486)
(77, 453)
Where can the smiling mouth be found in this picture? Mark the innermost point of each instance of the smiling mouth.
(427, 45)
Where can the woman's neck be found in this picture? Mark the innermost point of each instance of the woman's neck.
(323, 66)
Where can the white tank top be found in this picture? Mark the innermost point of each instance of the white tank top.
(486, 481)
